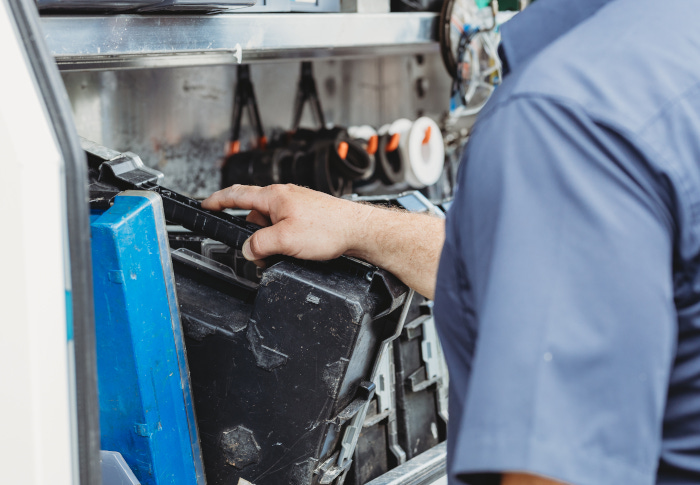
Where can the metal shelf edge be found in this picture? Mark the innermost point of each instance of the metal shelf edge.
(424, 469)
(140, 41)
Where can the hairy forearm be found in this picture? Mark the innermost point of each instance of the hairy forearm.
(408, 245)
(305, 224)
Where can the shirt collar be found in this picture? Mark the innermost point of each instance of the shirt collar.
(529, 32)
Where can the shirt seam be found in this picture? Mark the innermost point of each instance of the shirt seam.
(668, 105)
(629, 134)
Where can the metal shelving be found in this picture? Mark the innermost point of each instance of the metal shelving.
(148, 41)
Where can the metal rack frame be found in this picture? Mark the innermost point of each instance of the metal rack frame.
(82, 43)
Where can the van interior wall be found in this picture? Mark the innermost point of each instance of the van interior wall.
(178, 119)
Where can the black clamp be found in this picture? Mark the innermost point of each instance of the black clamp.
(307, 92)
(245, 98)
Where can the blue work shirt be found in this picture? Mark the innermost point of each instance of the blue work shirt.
(568, 295)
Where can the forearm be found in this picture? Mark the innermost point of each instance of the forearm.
(408, 245)
(309, 225)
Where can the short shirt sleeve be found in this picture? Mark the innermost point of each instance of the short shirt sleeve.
(555, 301)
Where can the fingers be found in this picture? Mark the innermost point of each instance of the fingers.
(239, 196)
(257, 218)
(268, 242)
(297, 222)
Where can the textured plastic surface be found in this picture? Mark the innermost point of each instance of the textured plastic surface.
(115, 471)
(372, 457)
(419, 425)
(277, 373)
(377, 448)
(112, 172)
(413, 419)
(146, 410)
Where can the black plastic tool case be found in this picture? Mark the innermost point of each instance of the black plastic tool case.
(420, 426)
(414, 417)
(282, 370)
(372, 457)
(377, 449)
(413, 423)
(279, 372)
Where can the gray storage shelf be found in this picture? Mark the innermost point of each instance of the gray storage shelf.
(149, 41)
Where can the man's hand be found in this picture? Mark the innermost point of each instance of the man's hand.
(306, 224)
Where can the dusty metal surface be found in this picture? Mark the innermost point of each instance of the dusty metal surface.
(178, 120)
(147, 41)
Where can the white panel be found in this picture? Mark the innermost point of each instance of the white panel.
(34, 396)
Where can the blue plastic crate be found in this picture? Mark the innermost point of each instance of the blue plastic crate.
(146, 410)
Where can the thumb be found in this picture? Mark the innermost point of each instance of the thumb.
(266, 242)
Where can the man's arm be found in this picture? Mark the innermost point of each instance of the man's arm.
(306, 224)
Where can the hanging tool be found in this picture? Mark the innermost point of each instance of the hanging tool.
(245, 98)
(307, 92)
(325, 159)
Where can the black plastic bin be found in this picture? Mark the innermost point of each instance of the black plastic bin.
(280, 371)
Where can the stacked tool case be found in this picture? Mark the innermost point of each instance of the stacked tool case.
(413, 416)
(408, 415)
(282, 370)
(378, 449)
(408, 412)
(421, 379)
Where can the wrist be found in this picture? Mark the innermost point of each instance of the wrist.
(365, 224)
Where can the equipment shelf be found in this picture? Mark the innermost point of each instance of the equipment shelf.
(151, 41)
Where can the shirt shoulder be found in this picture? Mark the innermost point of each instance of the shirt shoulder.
(624, 66)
